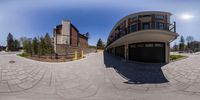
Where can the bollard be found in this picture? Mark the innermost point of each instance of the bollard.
(82, 54)
(75, 55)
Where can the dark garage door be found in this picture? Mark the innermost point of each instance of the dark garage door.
(119, 51)
(147, 52)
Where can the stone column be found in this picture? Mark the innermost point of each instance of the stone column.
(167, 52)
(126, 52)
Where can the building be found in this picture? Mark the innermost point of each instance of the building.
(2, 48)
(194, 46)
(143, 36)
(66, 38)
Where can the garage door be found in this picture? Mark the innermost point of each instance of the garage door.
(119, 51)
(147, 52)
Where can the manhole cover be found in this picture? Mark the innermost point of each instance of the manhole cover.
(11, 61)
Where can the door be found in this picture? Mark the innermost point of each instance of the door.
(120, 51)
(147, 52)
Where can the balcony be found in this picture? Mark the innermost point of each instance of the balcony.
(143, 26)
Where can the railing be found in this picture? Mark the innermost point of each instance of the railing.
(139, 27)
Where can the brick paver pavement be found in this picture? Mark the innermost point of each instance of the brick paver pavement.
(98, 77)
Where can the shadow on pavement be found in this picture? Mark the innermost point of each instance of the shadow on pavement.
(135, 72)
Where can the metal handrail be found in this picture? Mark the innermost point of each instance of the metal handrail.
(127, 30)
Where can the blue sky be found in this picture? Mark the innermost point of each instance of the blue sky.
(31, 18)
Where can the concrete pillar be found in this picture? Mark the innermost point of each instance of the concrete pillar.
(126, 52)
(167, 52)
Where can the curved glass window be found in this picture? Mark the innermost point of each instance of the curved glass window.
(160, 17)
(160, 25)
(145, 25)
(133, 27)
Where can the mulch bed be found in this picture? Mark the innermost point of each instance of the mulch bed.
(52, 59)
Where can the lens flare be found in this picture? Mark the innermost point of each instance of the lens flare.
(187, 16)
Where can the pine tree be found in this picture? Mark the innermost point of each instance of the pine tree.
(42, 46)
(16, 45)
(35, 46)
(100, 44)
(27, 46)
(182, 44)
(48, 44)
(10, 42)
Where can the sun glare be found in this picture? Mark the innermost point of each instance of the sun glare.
(187, 16)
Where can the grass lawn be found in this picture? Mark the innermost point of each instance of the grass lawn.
(24, 55)
(176, 57)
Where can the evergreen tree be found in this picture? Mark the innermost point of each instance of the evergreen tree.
(182, 44)
(35, 46)
(100, 44)
(10, 42)
(42, 46)
(16, 45)
(27, 47)
(48, 44)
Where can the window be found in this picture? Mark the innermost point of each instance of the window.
(160, 25)
(122, 32)
(134, 28)
(160, 17)
(146, 25)
(158, 45)
(133, 46)
(134, 18)
(140, 45)
(148, 45)
(146, 16)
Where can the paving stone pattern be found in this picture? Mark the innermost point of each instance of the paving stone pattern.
(98, 77)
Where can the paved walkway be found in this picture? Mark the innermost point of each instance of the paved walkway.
(98, 77)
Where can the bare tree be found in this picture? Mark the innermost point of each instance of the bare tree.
(189, 40)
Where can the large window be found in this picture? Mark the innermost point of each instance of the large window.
(148, 45)
(146, 25)
(134, 18)
(160, 17)
(160, 25)
(158, 45)
(133, 27)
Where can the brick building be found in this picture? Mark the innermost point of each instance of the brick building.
(66, 38)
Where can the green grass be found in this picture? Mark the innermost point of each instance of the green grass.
(24, 55)
(176, 57)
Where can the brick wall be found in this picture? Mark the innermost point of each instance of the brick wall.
(60, 49)
(83, 43)
(77, 41)
(73, 37)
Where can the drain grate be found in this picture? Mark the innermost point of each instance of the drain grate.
(11, 61)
